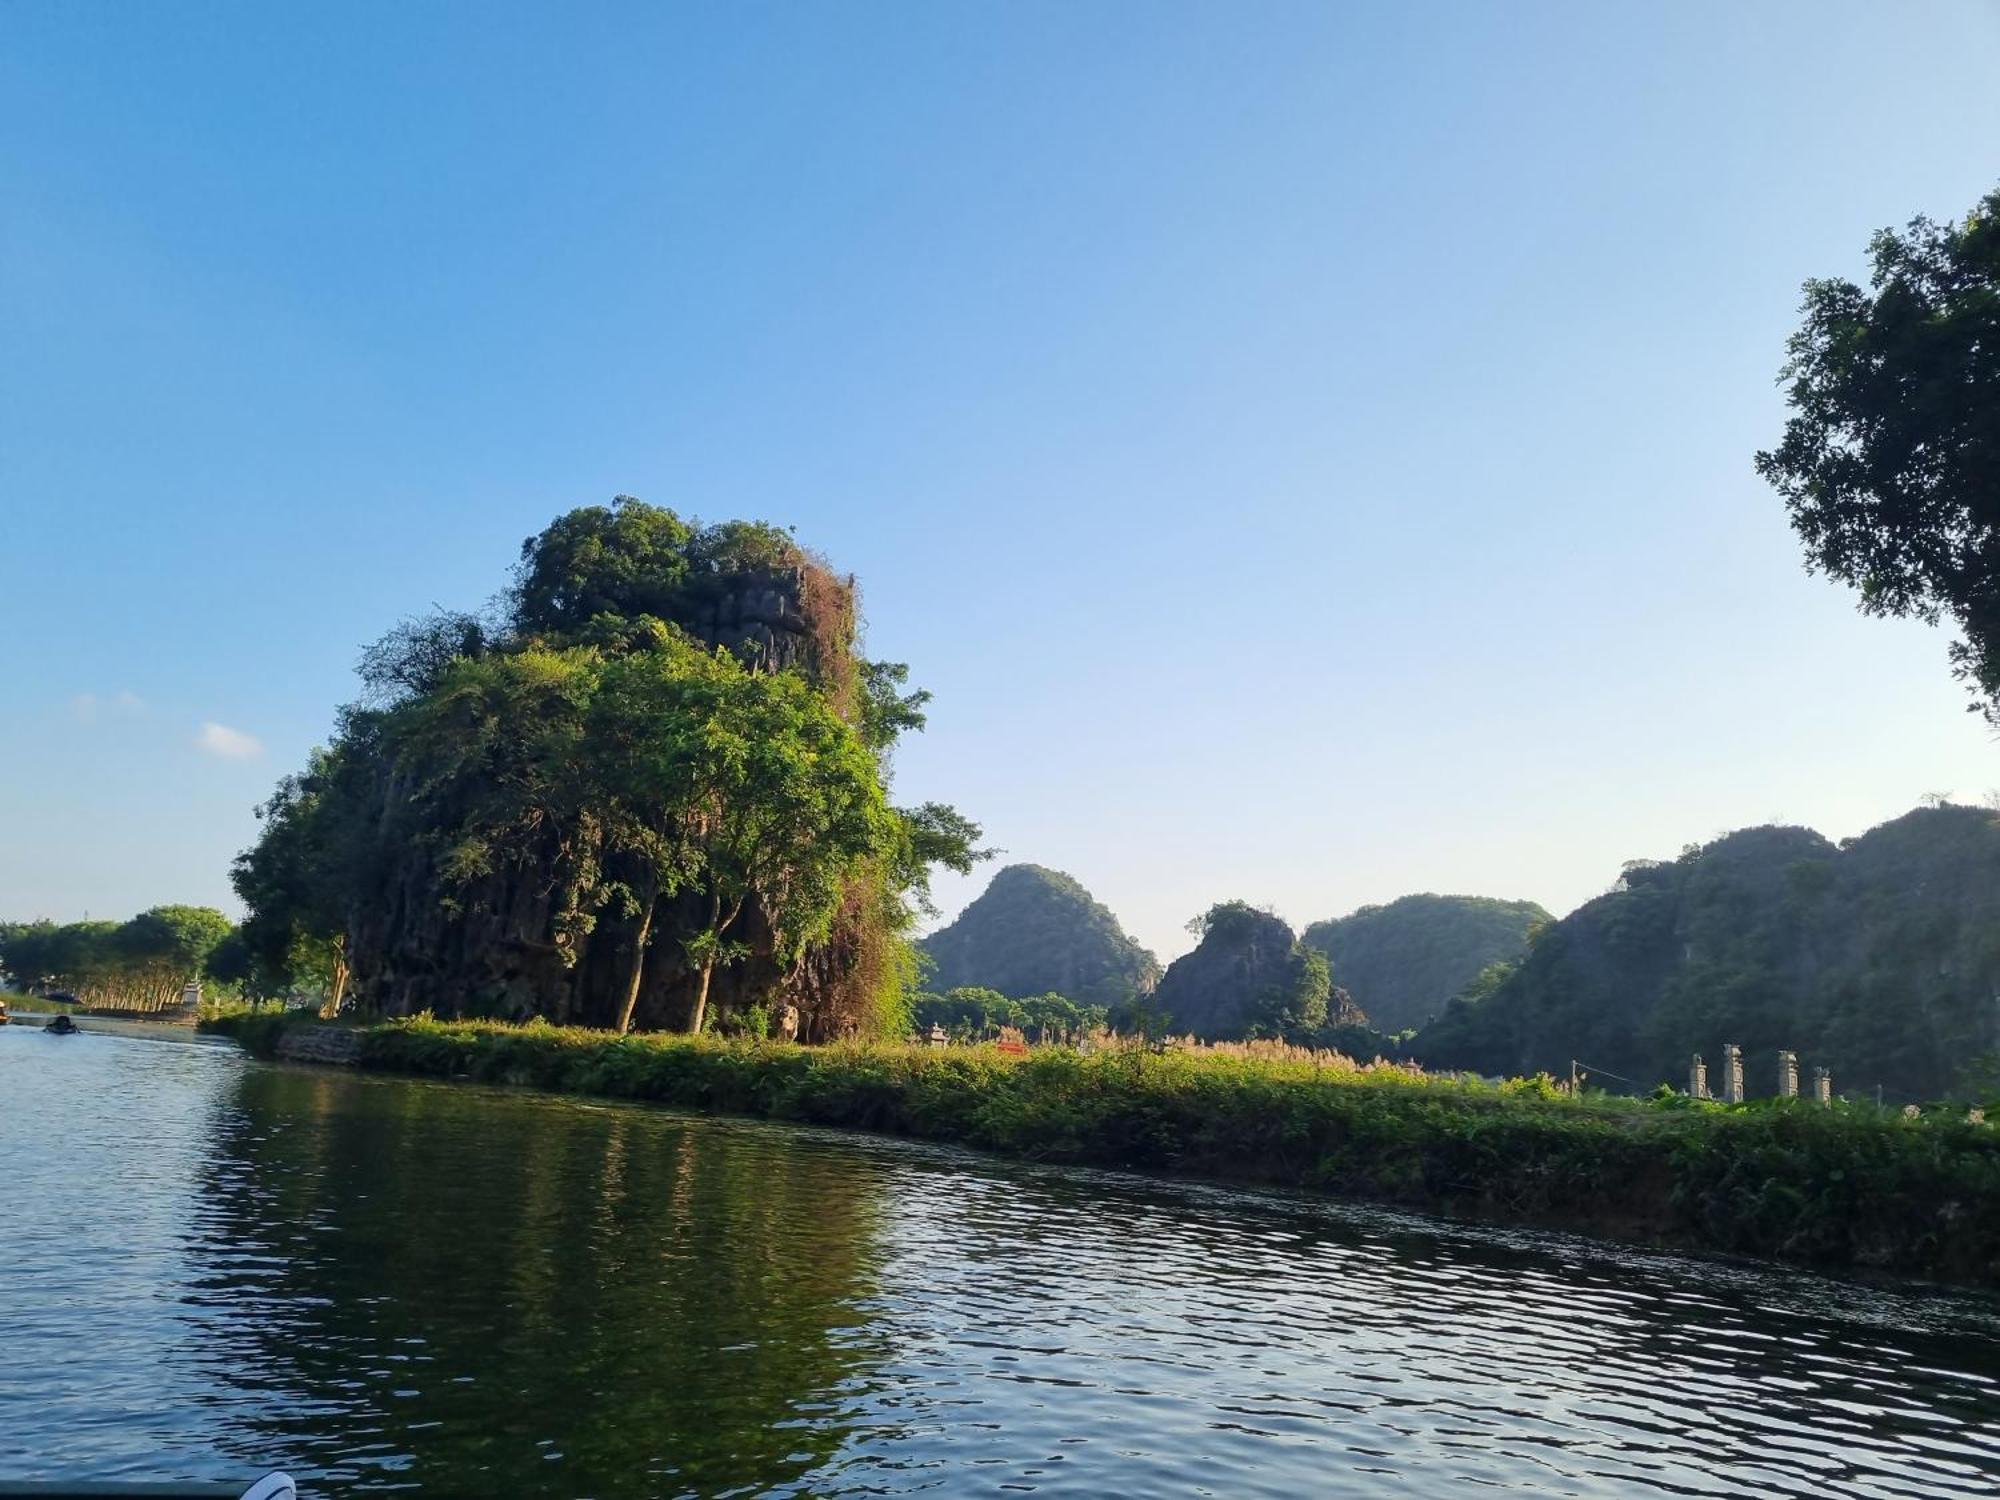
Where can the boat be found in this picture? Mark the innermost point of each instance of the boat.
(270, 1487)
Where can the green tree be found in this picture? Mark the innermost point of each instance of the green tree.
(298, 879)
(1295, 1002)
(163, 949)
(626, 559)
(412, 659)
(1890, 462)
(234, 965)
(82, 958)
(24, 953)
(747, 785)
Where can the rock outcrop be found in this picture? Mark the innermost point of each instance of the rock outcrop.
(1035, 931)
(1250, 977)
(498, 945)
(1405, 960)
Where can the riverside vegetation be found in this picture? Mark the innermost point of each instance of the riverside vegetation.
(1876, 958)
(1849, 1185)
(143, 964)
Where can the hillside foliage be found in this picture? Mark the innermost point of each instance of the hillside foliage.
(1405, 960)
(1250, 977)
(1036, 931)
(1878, 959)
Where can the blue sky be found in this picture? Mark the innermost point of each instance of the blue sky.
(1305, 448)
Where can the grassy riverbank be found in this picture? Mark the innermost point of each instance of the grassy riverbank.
(1849, 1185)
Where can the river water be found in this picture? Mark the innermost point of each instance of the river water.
(210, 1265)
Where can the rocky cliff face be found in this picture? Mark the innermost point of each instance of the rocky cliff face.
(1035, 931)
(487, 951)
(1250, 977)
(779, 619)
(488, 955)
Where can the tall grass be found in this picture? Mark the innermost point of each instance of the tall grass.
(1847, 1185)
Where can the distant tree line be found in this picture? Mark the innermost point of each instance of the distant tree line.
(971, 1014)
(145, 963)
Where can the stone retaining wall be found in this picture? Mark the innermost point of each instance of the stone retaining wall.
(320, 1044)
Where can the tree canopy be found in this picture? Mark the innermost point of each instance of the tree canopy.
(1890, 462)
(144, 963)
(662, 769)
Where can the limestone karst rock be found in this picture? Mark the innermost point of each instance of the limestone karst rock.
(1034, 931)
(1249, 976)
(1878, 958)
(1404, 960)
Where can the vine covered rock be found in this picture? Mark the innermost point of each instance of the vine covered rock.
(1249, 977)
(650, 794)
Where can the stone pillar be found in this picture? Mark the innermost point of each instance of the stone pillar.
(1788, 1075)
(1732, 1073)
(1822, 1086)
(1697, 1078)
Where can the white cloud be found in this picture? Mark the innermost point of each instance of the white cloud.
(230, 744)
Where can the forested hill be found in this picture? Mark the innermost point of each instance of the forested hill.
(647, 789)
(1034, 931)
(1404, 961)
(1878, 958)
(1250, 977)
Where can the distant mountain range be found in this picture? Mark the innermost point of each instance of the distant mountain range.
(1878, 958)
(1036, 930)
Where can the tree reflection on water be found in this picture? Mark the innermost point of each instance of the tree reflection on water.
(461, 1289)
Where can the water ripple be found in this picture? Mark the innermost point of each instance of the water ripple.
(391, 1285)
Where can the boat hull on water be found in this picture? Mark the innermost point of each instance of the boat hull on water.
(270, 1487)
